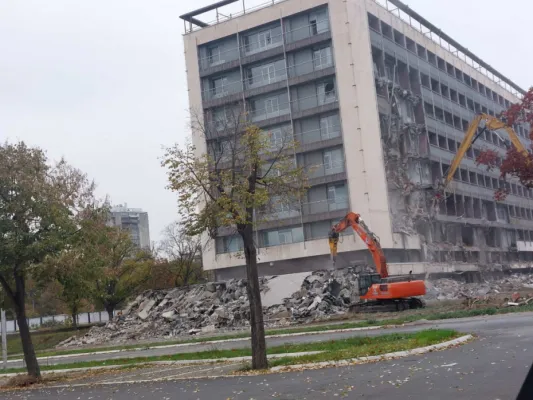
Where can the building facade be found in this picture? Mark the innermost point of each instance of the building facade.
(133, 220)
(378, 109)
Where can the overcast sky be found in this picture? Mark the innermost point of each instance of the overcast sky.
(102, 82)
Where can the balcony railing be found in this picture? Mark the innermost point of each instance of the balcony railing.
(301, 104)
(274, 76)
(320, 170)
(308, 208)
(232, 53)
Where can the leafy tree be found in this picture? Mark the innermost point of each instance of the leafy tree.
(120, 268)
(39, 203)
(182, 253)
(515, 163)
(68, 269)
(245, 173)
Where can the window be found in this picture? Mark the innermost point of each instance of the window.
(326, 92)
(432, 59)
(411, 46)
(435, 85)
(221, 118)
(268, 73)
(213, 55)
(453, 96)
(276, 138)
(337, 197)
(425, 80)
(219, 87)
(329, 126)
(318, 22)
(421, 51)
(462, 100)
(428, 108)
(272, 105)
(444, 91)
(322, 57)
(283, 236)
(229, 244)
(439, 114)
(373, 21)
(264, 39)
(386, 30)
(399, 38)
(332, 160)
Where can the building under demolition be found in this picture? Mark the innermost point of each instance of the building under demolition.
(378, 100)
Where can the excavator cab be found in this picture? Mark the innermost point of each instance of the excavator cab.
(366, 282)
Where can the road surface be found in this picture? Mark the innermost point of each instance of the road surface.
(490, 368)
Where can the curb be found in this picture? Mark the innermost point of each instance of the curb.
(381, 357)
(178, 345)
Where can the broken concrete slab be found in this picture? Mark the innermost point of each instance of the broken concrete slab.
(282, 287)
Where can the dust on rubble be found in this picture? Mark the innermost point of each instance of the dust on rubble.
(216, 307)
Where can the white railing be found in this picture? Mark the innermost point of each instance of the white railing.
(220, 57)
(284, 108)
(265, 79)
(319, 170)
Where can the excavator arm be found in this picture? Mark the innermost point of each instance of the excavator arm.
(354, 220)
(491, 124)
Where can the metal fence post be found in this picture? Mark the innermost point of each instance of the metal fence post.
(3, 324)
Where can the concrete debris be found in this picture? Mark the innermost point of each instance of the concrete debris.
(449, 289)
(223, 306)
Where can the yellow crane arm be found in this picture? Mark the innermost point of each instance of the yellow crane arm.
(492, 124)
(465, 145)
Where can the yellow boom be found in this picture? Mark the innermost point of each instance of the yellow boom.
(491, 124)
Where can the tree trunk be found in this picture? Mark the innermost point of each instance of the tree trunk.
(259, 357)
(110, 308)
(30, 358)
(74, 321)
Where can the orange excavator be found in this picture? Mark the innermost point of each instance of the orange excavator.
(378, 289)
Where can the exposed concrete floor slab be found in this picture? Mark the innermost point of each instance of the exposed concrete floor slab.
(281, 287)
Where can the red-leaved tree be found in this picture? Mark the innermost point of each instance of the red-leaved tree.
(515, 164)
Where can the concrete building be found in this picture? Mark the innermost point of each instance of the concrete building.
(378, 99)
(134, 220)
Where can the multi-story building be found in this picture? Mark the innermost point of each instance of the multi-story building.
(133, 220)
(378, 100)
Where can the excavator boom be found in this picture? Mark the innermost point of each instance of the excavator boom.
(354, 220)
(492, 124)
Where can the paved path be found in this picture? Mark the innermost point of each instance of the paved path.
(493, 367)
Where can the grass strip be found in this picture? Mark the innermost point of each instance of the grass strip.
(420, 315)
(332, 350)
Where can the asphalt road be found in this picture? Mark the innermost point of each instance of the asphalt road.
(492, 367)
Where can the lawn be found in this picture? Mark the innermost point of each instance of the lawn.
(42, 340)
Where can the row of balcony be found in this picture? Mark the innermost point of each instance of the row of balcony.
(221, 87)
(268, 39)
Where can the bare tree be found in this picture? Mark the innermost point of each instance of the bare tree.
(183, 253)
(231, 187)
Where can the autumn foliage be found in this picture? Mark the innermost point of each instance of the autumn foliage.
(514, 164)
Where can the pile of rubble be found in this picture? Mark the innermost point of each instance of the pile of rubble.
(219, 306)
(449, 289)
(222, 306)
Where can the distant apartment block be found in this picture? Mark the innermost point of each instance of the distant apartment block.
(378, 99)
(133, 220)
